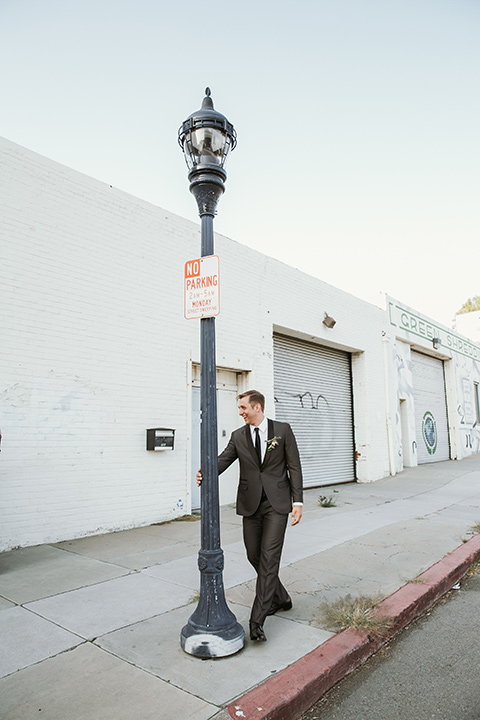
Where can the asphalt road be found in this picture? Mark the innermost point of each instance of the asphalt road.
(431, 671)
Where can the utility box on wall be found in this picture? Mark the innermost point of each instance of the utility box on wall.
(160, 439)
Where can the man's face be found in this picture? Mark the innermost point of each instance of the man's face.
(252, 414)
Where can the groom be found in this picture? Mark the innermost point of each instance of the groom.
(270, 481)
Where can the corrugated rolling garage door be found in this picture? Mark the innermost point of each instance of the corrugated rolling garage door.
(313, 393)
(431, 425)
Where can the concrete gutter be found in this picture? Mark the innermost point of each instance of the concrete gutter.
(296, 688)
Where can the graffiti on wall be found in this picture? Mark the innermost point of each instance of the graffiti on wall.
(310, 403)
(467, 378)
(322, 421)
(464, 415)
(468, 383)
(405, 439)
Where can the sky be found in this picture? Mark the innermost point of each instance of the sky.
(358, 122)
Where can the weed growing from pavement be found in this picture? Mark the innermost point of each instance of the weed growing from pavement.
(474, 530)
(474, 569)
(415, 581)
(327, 502)
(355, 613)
(195, 597)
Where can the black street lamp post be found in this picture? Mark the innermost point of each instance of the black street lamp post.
(212, 631)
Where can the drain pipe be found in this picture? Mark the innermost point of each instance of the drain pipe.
(386, 371)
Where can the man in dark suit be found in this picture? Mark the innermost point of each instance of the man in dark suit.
(270, 481)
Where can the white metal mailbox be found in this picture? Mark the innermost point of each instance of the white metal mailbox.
(160, 439)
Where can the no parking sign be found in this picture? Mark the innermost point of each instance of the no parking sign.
(202, 291)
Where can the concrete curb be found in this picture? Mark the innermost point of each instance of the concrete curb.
(296, 688)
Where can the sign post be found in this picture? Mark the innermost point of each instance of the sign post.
(205, 138)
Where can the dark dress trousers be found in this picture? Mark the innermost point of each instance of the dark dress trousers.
(265, 495)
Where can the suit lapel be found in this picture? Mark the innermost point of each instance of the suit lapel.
(270, 435)
(271, 431)
(251, 446)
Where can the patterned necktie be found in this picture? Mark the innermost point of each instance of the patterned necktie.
(257, 445)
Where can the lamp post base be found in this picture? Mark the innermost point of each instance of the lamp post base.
(212, 644)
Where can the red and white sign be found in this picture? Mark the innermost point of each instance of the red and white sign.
(202, 288)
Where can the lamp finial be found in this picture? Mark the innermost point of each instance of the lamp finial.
(207, 100)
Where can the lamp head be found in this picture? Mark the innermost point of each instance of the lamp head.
(206, 137)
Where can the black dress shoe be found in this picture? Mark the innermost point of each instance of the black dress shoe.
(287, 605)
(256, 632)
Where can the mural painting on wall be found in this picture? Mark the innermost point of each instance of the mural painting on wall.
(468, 373)
(466, 358)
(404, 426)
(429, 432)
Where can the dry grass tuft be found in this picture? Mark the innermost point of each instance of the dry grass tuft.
(355, 613)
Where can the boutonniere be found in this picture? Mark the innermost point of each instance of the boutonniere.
(272, 444)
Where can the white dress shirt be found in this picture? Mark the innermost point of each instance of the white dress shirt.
(263, 430)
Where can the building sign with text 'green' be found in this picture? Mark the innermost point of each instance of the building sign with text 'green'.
(404, 319)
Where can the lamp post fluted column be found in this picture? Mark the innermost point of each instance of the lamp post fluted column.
(212, 630)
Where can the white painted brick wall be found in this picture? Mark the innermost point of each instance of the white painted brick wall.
(461, 359)
(95, 349)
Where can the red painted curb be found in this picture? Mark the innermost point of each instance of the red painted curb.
(296, 688)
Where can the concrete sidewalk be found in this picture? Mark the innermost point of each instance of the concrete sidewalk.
(90, 628)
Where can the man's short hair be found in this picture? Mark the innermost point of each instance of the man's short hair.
(254, 398)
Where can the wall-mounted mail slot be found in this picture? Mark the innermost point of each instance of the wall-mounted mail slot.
(160, 439)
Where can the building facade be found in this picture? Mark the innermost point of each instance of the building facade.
(436, 389)
(96, 350)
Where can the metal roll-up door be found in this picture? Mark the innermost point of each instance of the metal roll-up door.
(431, 424)
(313, 392)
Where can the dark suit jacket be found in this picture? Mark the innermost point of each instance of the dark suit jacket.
(280, 473)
